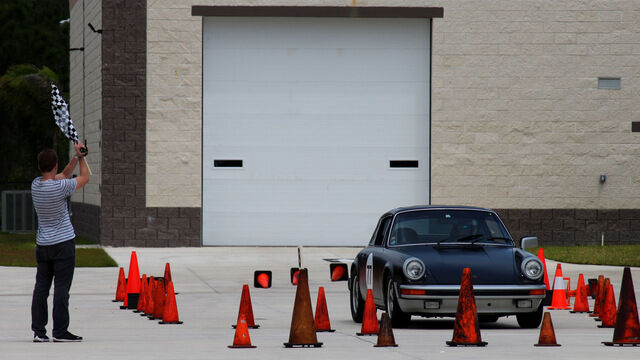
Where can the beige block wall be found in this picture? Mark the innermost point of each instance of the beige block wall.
(87, 121)
(174, 116)
(517, 120)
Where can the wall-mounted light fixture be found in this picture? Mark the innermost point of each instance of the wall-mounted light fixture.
(99, 31)
(603, 178)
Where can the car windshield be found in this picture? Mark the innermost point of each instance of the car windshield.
(448, 226)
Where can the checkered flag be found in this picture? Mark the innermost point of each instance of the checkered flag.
(61, 114)
(63, 119)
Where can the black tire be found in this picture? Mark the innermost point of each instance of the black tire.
(356, 303)
(399, 319)
(530, 320)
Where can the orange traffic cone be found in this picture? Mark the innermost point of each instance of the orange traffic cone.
(125, 304)
(627, 331)
(167, 273)
(295, 275)
(547, 335)
(303, 332)
(338, 272)
(568, 290)
(133, 284)
(159, 298)
(370, 317)
(581, 304)
(466, 330)
(608, 312)
(245, 308)
(167, 276)
(262, 279)
(598, 303)
(148, 297)
(241, 340)
(592, 286)
(322, 323)
(559, 300)
(602, 295)
(121, 288)
(143, 289)
(385, 335)
(170, 315)
(544, 264)
(151, 294)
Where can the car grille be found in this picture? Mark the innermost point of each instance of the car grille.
(479, 292)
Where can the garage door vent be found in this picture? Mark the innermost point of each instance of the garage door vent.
(403, 163)
(227, 163)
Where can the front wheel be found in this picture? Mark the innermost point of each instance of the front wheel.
(530, 320)
(399, 319)
(356, 302)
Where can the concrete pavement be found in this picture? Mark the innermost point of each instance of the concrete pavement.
(209, 281)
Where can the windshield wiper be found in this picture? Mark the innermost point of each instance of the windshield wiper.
(464, 238)
(491, 239)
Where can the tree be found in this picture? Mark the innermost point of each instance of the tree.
(28, 124)
(32, 34)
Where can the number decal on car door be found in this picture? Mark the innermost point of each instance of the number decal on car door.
(369, 273)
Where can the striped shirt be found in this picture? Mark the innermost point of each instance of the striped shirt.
(50, 201)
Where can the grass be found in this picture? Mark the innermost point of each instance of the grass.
(616, 255)
(18, 250)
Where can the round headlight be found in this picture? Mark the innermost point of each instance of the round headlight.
(532, 268)
(413, 269)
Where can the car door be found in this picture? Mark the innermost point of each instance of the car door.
(373, 251)
(380, 259)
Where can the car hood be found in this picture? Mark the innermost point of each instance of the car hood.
(490, 265)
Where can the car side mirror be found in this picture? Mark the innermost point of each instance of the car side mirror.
(528, 242)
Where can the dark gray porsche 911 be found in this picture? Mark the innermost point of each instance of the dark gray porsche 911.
(414, 262)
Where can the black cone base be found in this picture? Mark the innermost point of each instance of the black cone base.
(290, 345)
(133, 301)
(610, 343)
(481, 343)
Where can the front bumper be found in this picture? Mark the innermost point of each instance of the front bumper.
(442, 300)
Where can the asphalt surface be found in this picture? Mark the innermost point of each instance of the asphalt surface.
(209, 282)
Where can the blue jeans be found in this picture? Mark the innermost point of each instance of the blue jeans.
(56, 263)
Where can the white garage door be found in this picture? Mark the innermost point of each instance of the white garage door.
(312, 127)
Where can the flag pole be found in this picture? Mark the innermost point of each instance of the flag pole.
(85, 152)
